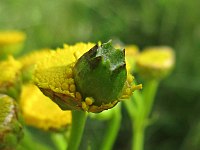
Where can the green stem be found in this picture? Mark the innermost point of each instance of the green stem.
(138, 138)
(149, 92)
(139, 121)
(112, 129)
(59, 140)
(130, 107)
(78, 124)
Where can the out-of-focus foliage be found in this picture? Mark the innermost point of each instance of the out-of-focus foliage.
(142, 22)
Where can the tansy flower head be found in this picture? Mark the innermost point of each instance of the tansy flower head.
(28, 62)
(54, 76)
(78, 79)
(39, 111)
(11, 42)
(10, 127)
(10, 77)
(155, 62)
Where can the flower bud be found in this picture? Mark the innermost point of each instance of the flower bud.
(11, 43)
(10, 81)
(155, 62)
(10, 127)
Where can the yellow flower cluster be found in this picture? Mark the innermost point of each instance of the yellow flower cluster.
(55, 71)
(10, 69)
(54, 76)
(33, 57)
(11, 37)
(39, 111)
(11, 43)
(28, 62)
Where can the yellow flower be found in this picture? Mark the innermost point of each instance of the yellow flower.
(10, 37)
(11, 42)
(9, 70)
(10, 76)
(155, 62)
(39, 111)
(28, 62)
(33, 57)
(54, 76)
(55, 71)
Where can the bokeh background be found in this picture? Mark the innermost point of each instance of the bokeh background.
(176, 23)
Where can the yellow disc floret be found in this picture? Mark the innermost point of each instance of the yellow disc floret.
(39, 111)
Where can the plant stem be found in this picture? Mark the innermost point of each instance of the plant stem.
(59, 140)
(112, 129)
(138, 138)
(78, 124)
(149, 92)
(139, 121)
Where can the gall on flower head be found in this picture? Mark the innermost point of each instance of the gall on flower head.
(85, 77)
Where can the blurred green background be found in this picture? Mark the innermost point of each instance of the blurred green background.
(50, 23)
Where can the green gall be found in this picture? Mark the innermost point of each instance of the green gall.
(101, 73)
